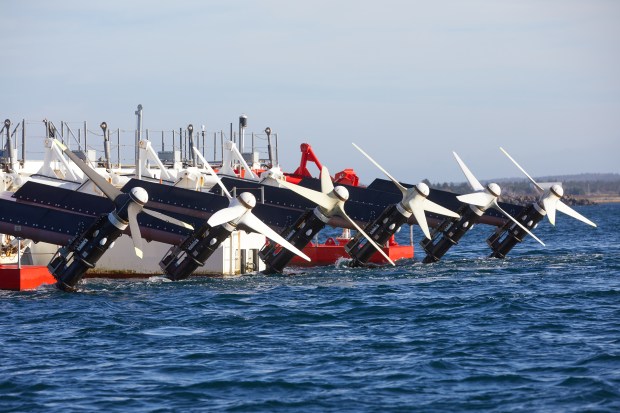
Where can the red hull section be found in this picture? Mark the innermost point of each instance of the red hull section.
(28, 277)
(333, 249)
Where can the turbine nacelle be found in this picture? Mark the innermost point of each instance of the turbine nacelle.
(247, 199)
(557, 190)
(341, 193)
(239, 211)
(235, 211)
(331, 202)
(414, 199)
(485, 197)
(139, 195)
(550, 202)
(494, 189)
(421, 190)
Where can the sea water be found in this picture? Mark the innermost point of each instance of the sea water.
(538, 331)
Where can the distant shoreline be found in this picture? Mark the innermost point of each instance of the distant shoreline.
(582, 189)
(592, 199)
(599, 199)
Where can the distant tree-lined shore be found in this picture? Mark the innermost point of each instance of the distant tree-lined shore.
(580, 189)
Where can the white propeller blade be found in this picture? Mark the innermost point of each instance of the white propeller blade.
(331, 203)
(538, 187)
(430, 206)
(550, 204)
(259, 226)
(562, 207)
(418, 203)
(241, 213)
(319, 198)
(496, 206)
(402, 188)
(327, 185)
(247, 218)
(132, 214)
(418, 212)
(473, 182)
(481, 199)
(166, 218)
(326, 181)
(374, 244)
(227, 214)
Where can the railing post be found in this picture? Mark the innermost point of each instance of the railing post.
(181, 144)
(106, 146)
(191, 154)
(118, 147)
(243, 123)
(9, 145)
(138, 137)
(268, 132)
(24, 141)
(202, 148)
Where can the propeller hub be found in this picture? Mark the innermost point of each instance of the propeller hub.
(557, 190)
(341, 192)
(422, 189)
(139, 195)
(247, 200)
(494, 189)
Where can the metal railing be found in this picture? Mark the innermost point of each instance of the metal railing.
(28, 138)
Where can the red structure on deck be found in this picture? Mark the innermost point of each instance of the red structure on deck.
(346, 176)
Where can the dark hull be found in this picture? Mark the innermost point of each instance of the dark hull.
(50, 214)
(365, 204)
(54, 215)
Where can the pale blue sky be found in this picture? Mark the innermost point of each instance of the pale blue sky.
(408, 81)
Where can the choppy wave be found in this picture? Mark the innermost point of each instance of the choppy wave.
(538, 331)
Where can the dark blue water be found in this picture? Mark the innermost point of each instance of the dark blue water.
(539, 331)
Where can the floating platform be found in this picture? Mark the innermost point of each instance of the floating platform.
(333, 249)
(26, 277)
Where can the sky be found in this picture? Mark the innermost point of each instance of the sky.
(408, 81)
